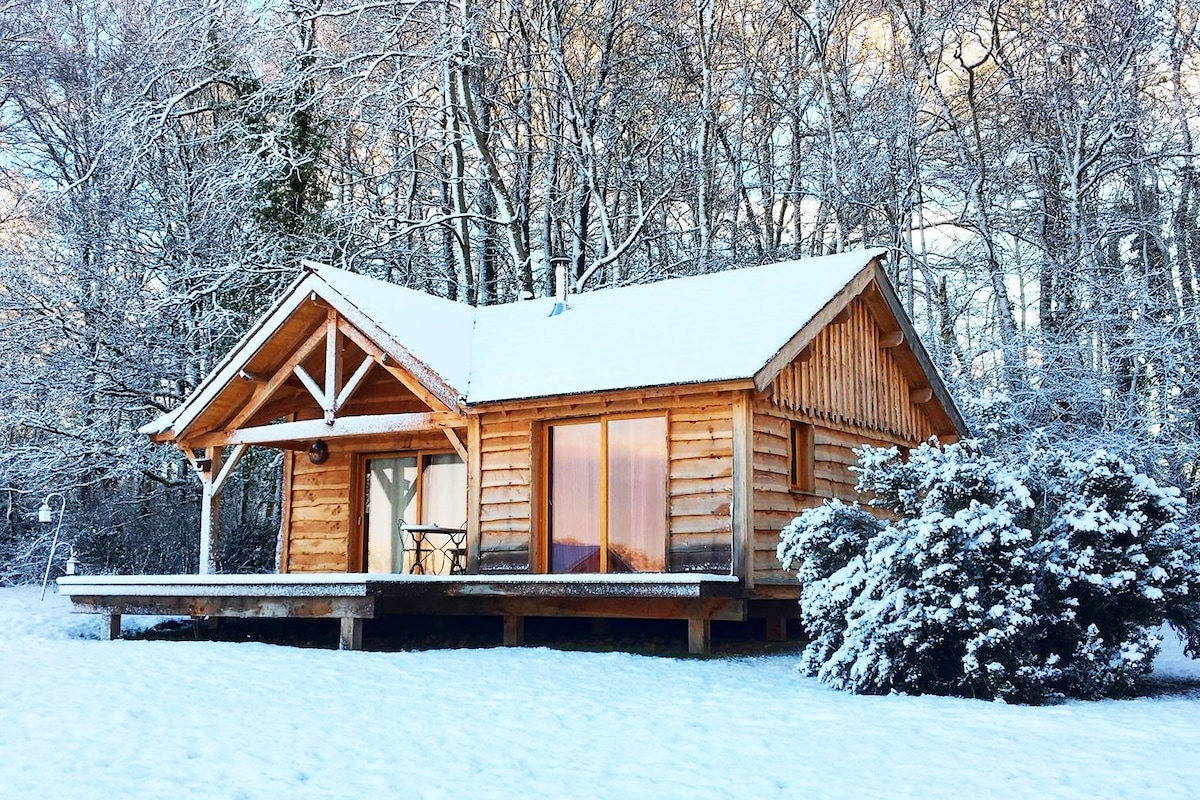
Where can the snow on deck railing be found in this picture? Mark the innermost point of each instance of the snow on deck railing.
(362, 577)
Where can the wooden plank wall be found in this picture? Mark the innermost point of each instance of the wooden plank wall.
(321, 527)
(847, 377)
(700, 432)
(506, 493)
(775, 502)
(317, 530)
(850, 389)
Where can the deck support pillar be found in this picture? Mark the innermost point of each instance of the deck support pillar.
(351, 634)
(514, 630)
(776, 629)
(110, 627)
(699, 636)
(210, 511)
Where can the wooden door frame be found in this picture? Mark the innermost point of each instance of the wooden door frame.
(358, 489)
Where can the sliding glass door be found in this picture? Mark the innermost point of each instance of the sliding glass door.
(607, 495)
(398, 493)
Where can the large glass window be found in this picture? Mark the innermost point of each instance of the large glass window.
(608, 495)
(398, 493)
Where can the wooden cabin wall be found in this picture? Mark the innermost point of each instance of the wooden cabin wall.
(320, 531)
(776, 503)
(846, 376)
(851, 390)
(319, 534)
(700, 453)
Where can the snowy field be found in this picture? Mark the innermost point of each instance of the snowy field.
(83, 718)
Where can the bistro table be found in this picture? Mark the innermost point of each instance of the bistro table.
(434, 550)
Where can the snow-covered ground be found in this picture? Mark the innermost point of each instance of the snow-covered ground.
(82, 718)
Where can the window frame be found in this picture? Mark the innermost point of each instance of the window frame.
(802, 461)
(540, 562)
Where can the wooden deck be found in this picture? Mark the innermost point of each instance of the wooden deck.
(698, 598)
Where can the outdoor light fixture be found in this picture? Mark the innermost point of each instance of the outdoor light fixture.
(318, 452)
(45, 516)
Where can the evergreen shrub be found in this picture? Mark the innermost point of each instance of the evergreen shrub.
(1026, 582)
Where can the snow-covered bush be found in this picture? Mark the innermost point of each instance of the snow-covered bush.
(1025, 581)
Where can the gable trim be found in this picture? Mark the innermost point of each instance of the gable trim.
(826, 316)
(873, 285)
(407, 369)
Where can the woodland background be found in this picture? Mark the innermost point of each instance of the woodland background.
(165, 165)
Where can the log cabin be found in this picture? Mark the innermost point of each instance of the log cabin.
(623, 452)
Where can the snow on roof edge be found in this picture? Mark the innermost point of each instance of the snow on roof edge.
(169, 421)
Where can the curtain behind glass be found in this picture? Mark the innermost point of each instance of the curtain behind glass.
(444, 491)
(575, 498)
(637, 494)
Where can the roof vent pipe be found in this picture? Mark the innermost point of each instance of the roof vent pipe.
(560, 288)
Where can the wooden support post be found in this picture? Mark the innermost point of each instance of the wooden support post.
(333, 366)
(111, 627)
(351, 634)
(474, 462)
(776, 629)
(742, 509)
(699, 636)
(514, 630)
(600, 626)
(210, 512)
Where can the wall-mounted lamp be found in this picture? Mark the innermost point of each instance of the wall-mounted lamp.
(45, 516)
(318, 452)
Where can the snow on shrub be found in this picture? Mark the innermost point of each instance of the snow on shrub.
(1025, 582)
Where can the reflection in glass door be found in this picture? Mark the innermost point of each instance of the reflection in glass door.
(397, 494)
(391, 500)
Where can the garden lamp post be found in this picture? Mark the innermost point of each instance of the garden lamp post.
(45, 516)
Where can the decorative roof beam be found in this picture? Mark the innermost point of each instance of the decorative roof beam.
(342, 426)
(357, 378)
(264, 391)
(395, 370)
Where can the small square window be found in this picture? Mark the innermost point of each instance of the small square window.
(801, 457)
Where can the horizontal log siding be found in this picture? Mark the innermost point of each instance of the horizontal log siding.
(506, 492)
(849, 379)
(322, 524)
(700, 433)
(700, 491)
(318, 526)
(775, 502)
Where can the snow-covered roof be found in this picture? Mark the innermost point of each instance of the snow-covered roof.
(724, 326)
(434, 330)
(698, 329)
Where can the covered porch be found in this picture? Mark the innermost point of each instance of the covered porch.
(351, 598)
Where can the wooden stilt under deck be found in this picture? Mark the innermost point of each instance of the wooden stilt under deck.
(514, 630)
(111, 629)
(351, 634)
(699, 636)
